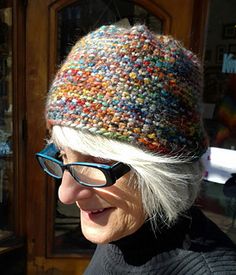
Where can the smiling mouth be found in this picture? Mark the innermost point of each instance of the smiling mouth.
(95, 213)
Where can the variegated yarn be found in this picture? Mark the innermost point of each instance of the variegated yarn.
(134, 86)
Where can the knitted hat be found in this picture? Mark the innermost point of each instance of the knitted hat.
(133, 86)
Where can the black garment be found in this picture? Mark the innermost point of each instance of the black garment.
(193, 246)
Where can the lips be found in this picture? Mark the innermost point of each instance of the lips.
(96, 211)
(94, 214)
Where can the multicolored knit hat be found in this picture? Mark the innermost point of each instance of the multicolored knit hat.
(133, 86)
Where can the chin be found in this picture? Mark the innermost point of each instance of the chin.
(100, 236)
(97, 238)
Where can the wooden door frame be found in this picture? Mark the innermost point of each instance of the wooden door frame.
(199, 27)
(19, 117)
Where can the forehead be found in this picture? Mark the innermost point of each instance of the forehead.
(70, 153)
(75, 156)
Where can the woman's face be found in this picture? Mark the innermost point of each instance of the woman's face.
(107, 214)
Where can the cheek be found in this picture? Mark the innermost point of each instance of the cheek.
(128, 203)
(125, 216)
(130, 217)
(133, 211)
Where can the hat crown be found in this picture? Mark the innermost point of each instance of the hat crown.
(133, 86)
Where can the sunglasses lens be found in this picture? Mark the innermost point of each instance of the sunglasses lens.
(51, 167)
(88, 175)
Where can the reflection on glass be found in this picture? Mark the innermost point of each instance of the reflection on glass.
(220, 84)
(82, 17)
(219, 200)
(6, 164)
(74, 21)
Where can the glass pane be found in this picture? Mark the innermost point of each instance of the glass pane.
(6, 161)
(75, 21)
(83, 16)
(219, 200)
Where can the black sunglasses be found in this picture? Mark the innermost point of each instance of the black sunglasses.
(85, 173)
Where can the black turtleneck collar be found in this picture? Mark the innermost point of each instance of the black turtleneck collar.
(192, 244)
(141, 246)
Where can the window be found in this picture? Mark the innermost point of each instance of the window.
(219, 200)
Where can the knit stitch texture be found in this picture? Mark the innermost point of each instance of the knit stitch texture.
(133, 86)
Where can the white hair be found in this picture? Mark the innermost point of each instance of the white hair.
(169, 185)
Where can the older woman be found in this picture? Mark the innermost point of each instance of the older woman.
(126, 139)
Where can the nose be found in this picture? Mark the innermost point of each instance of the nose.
(71, 191)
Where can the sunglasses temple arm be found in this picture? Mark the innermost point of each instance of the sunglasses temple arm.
(120, 169)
